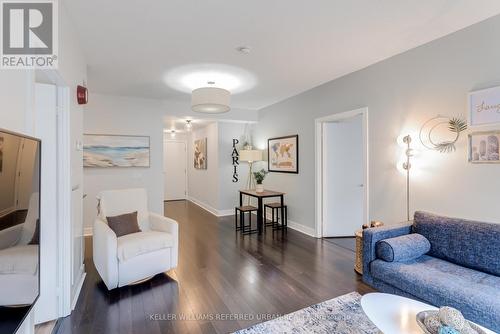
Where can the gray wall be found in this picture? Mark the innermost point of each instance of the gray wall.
(401, 94)
(203, 184)
(228, 191)
(125, 116)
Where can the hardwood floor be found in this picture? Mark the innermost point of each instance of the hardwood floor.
(220, 274)
(344, 242)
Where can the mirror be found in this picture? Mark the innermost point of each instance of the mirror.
(19, 228)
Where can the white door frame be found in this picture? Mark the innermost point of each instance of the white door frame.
(64, 220)
(319, 163)
(185, 142)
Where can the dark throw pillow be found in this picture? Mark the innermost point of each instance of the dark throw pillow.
(124, 224)
(35, 240)
(404, 248)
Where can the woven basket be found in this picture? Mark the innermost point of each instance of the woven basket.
(358, 265)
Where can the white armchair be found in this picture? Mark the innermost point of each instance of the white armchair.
(137, 256)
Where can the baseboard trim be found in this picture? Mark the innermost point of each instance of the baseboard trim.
(302, 229)
(297, 227)
(209, 208)
(88, 231)
(78, 290)
(228, 212)
(203, 205)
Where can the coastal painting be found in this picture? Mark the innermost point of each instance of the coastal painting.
(115, 151)
(283, 154)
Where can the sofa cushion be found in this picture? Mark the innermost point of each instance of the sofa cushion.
(135, 244)
(472, 244)
(402, 248)
(19, 260)
(474, 293)
(124, 224)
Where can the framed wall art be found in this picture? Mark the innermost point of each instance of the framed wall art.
(484, 107)
(115, 151)
(200, 153)
(283, 154)
(484, 147)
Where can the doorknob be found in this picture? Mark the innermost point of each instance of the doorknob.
(361, 185)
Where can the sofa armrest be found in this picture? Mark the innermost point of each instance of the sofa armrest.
(164, 224)
(104, 246)
(10, 236)
(370, 238)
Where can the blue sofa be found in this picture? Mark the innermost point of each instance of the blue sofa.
(461, 269)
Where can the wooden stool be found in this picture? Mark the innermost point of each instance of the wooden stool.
(242, 209)
(275, 221)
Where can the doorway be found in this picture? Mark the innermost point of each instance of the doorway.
(342, 173)
(175, 169)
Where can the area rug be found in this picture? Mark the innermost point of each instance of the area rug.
(341, 315)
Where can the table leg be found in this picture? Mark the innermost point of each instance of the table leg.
(282, 213)
(241, 199)
(259, 215)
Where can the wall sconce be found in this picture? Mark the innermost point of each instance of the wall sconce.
(407, 166)
(189, 125)
(172, 134)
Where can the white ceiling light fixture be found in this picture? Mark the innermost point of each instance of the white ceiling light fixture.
(210, 100)
(190, 77)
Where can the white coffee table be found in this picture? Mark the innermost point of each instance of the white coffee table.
(394, 314)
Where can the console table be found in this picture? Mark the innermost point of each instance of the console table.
(260, 207)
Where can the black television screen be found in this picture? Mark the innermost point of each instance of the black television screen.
(19, 228)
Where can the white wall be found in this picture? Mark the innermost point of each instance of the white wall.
(109, 114)
(213, 188)
(125, 116)
(228, 190)
(203, 184)
(401, 93)
(73, 71)
(17, 113)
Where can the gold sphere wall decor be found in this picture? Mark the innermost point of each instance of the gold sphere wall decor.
(428, 131)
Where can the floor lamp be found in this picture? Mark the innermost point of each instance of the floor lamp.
(250, 156)
(407, 167)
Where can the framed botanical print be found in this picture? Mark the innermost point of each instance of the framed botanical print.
(200, 153)
(484, 147)
(283, 154)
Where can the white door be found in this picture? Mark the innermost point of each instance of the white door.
(343, 169)
(175, 170)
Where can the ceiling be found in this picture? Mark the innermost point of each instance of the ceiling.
(131, 47)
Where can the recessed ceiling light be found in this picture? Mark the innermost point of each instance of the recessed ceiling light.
(243, 49)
